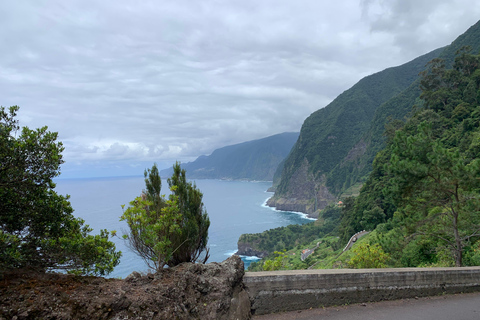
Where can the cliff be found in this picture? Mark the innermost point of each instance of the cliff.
(246, 249)
(306, 193)
(251, 160)
(337, 144)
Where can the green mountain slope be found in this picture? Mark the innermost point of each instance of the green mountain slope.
(355, 169)
(251, 160)
(422, 197)
(337, 144)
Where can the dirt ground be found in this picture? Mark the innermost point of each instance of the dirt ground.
(188, 291)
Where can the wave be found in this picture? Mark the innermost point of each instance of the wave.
(230, 253)
(301, 214)
(248, 258)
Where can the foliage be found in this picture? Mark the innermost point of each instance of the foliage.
(38, 229)
(324, 249)
(344, 150)
(192, 243)
(426, 181)
(440, 185)
(329, 134)
(152, 229)
(276, 263)
(168, 232)
(285, 238)
(436, 170)
(368, 256)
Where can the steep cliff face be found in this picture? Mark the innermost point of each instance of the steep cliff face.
(330, 154)
(340, 141)
(246, 249)
(305, 194)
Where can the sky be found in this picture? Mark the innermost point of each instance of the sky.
(130, 83)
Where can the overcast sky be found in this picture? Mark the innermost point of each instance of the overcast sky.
(127, 83)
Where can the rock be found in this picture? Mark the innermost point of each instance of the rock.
(132, 277)
(305, 193)
(187, 291)
(245, 249)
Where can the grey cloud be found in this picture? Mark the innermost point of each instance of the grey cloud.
(418, 25)
(159, 81)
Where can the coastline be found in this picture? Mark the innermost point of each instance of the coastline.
(302, 214)
(251, 258)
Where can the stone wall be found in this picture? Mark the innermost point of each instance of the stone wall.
(277, 291)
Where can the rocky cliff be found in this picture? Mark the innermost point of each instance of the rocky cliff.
(246, 249)
(305, 193)
(187, 291)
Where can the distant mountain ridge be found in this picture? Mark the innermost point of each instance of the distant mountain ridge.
(251, 160)
(337, 144)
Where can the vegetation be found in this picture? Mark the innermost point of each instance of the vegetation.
(168, 232)
(340, 141)
(329, 134)
(429, 173)
(422, 197)
(368, 256)
(37, 228)
(285, 238)
(276, 263)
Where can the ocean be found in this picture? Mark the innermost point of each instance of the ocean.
(234, 208)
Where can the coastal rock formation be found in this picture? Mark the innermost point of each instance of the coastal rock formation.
(305, 194)
(245, 249)
(187, 291)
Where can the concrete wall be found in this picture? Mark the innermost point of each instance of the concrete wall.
(277, 291)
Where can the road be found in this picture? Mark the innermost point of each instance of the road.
(458, 307)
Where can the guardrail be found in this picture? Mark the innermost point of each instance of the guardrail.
(277, 291)
(354, 238)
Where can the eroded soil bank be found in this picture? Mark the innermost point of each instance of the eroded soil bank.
(188, 291)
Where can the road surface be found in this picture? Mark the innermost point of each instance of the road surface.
(456, 307)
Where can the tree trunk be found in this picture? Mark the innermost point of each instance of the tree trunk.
(458, 241)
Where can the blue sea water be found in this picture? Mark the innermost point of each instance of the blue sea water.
(234, 207)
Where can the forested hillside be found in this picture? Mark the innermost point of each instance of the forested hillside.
(421, 199)
(354, 170)
(334, 134)
(424, 191)
(337, 144)
(421, 202)
(251, 160)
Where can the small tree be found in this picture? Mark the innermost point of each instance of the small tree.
(192, 242)
(276, 263)
(168, 232)
(368, 256)
(37, 228)
(151, 231)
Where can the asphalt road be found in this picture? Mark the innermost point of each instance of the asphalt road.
(455, 307)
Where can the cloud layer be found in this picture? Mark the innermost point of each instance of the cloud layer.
(131, 83)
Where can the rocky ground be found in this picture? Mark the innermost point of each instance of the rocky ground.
(188, 291)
